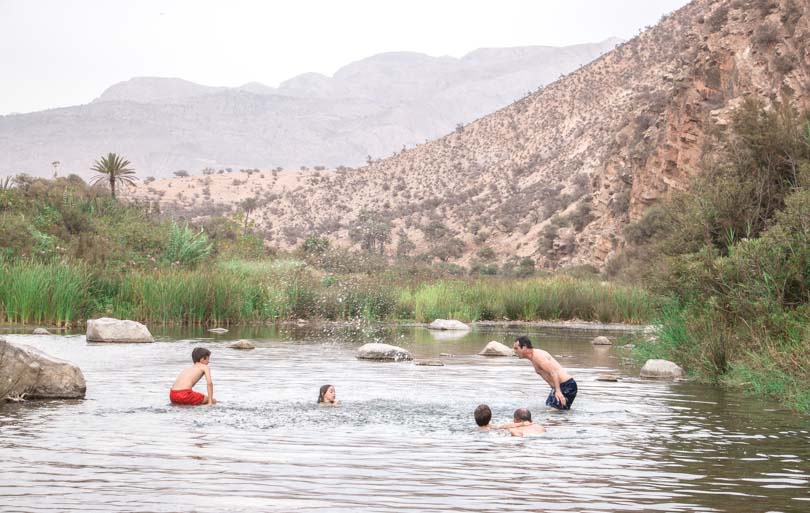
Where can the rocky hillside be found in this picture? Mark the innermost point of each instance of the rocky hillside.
(371, 107)
(556, 175)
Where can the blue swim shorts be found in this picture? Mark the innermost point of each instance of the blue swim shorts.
(569, 391)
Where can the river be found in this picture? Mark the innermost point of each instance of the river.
(404, 438)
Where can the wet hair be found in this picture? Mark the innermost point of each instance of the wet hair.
(524, 342)
(322, 392)
(199, 353)
(523, 415)
(482, 415)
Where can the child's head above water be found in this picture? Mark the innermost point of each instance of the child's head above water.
(523, 415)
(199, 353)
(326, 394)
(482, 415)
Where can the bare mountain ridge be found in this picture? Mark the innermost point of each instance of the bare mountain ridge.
(370, 107)
(558, 174)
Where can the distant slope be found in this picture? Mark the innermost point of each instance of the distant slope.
(370, 107)
(556, 175)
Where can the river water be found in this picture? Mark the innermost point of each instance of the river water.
(404, 438)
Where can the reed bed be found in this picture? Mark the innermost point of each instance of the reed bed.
(237, 292)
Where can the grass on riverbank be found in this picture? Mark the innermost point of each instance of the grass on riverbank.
(241, 291)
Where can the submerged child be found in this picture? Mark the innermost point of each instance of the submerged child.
(182, 393)
(483, 415)
(523, 424)
(327, 396)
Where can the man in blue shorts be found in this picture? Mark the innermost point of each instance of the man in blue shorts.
(563, 386)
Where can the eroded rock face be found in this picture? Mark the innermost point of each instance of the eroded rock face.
(27, 373)
(108, 329)
(385, 352)
(661, 369)
(601, 341)
(495, 348)
(448, 324)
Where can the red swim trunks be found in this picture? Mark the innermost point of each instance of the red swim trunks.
(187, 396)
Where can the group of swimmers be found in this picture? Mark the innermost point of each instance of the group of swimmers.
(562, 395)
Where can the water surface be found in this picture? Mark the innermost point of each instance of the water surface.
(403, 440)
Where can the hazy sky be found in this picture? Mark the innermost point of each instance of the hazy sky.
(56, 53)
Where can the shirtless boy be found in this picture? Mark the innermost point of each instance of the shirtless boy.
(182, 393)
(523, 424)
(563, 386)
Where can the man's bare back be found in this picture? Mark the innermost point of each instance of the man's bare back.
(545, 365)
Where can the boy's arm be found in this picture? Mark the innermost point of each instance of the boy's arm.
(210, 385)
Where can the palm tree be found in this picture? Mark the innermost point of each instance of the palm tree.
(113, 168)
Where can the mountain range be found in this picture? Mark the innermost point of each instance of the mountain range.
(369, 108)
(554, 176)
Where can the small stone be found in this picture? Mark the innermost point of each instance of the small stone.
(628, 346)
(661, 369)
(448, 324)
(108, 329)
(495, 348)
(242, 344)
(430, 363)
(607, 377)
(218, 330)
(601, 341)
(376, 351)
(445, 354)
(41, 331)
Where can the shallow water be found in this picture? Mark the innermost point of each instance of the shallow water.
(403, 440)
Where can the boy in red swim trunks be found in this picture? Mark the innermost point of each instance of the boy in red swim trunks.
(182, 393)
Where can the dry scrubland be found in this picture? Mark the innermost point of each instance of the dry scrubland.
(555, 176)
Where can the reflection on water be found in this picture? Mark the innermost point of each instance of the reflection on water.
(403, 439)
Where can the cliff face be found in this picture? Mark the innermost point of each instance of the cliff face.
(556, 175)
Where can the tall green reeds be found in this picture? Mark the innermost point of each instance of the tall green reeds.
(236, 292)
(555, 298)
(36, 293)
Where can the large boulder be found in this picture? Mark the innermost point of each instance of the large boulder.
(387, 352)
(108, 329)
(601, 341)
(40, 331)
(495, 348)
(661, 369)
(26, 373)
(448, 324)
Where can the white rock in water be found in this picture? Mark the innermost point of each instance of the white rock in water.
(41, 331)
(242, 344)
(108, 329)
(388, 352)
(26, 373)
(661, 369)
(495, 348)
(601, 341)
(448, 324)
(218, 330)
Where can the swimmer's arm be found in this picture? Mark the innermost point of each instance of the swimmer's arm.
(210, 385)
